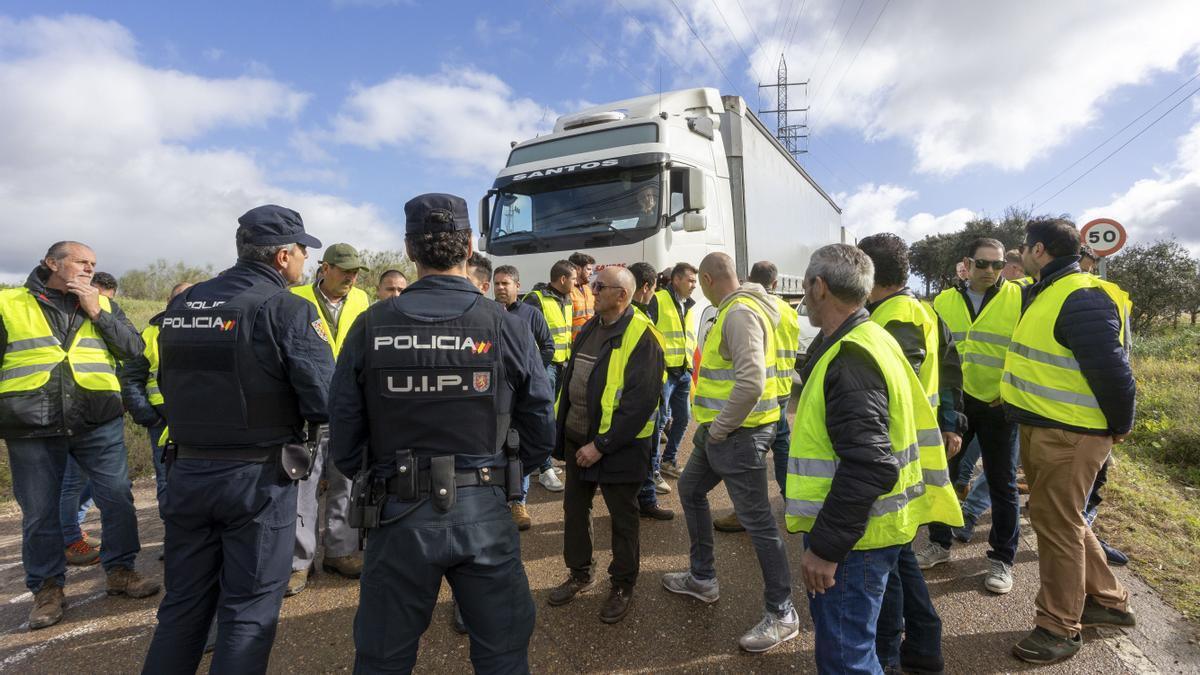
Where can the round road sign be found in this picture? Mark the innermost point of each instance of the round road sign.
(1105, 235)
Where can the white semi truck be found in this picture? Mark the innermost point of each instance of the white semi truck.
(662, 178)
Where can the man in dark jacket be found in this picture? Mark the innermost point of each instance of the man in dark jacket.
(644, 301)
(506, 288)
(605, 430)
(1068, 384)
(60, 398)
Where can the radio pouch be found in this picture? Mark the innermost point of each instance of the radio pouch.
(442, 489)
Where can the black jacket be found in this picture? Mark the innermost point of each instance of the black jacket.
(626, 457)
(856, 417)
(537, 324)
(134, 374)
(57, 408)
(439, 298)
(1089, 325)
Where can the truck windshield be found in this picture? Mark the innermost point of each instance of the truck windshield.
(628, 200)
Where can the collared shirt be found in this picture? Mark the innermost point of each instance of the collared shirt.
(331, 310)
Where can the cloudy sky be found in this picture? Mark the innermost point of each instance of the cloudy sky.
(147, 128)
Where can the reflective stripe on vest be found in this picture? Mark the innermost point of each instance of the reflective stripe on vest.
(150, 337)
(787, 341)
(33, 351)
(981, 343)
(355, 303)
(715, 383)
(618, 361)
(559, 322)
(907, 309)
(680, 333)
(922, 493)
(1041, 375)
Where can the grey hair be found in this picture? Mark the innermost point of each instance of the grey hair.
(60, 249)
(256, 252)
(847, 271)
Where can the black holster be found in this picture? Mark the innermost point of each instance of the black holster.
(512, 469)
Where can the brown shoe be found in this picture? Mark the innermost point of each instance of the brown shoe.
(124, 581)
(656, 512)
(520, 516)
(617, 605)
(89, 539)
(81, 554)
(47, 606)
(567, 590)
(728, 524)
(296, 583)
(349, 566)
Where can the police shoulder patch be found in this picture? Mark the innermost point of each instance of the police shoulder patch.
(319, 327)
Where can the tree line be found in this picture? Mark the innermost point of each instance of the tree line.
(1161, 277)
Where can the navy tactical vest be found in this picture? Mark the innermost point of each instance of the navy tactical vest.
(217, 393)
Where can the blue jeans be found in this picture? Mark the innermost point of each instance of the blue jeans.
(230, 527)
(675, 396)
(844, 617)
(739, 462)
(909, 630)
(38, 465)
(978, 500)
(780, 447)
(74, 502)
(966, 462)
(647, 496)
(552, 373)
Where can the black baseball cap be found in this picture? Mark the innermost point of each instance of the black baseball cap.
(436, 212)
(269, 225)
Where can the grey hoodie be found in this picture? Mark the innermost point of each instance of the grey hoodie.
(744, 342)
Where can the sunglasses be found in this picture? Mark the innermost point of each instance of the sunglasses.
(597, 287)
(984, 264)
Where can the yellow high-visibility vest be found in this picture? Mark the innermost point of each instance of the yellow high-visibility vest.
(558, 319)
(982, 342)
(356, 303)
(716, 376)
(33, 351)
(680, 332)
(150, 337)
(907, 309)
(618, 362)
(1041, 375)
(923, 492)
(787, 336)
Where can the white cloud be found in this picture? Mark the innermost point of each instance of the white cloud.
(1162, 206)
(462, 117)
(965, 84)
(875, 208)
(94, 146)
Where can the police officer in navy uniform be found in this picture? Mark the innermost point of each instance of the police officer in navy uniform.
(244, 367)
(431, 381)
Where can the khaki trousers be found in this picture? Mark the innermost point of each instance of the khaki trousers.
(1061, 467)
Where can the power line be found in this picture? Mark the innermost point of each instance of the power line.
(600, 48)
(796, 25)
(735, 40)
(828, 32)
(860, 48)
(1121, 147)
(706, 50)
(753, 32)
(651, 34)
(1105, 141)
(850, 27)
(781, 26)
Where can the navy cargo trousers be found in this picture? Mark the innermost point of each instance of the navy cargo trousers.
(475, 546)
(230, 527)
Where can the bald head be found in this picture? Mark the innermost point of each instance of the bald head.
(718, 277)
(615, 291)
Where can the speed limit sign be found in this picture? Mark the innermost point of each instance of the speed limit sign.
(1105, 235)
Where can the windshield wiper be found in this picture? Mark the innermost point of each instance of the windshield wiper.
(594, 223)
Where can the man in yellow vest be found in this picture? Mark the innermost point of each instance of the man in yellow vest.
(982, 314)
(909, 631)
(338, 303)
(675, 321)
(737, 407)
(1068, 383)
(60, 398)
(1014, 269)
(866, 466)
(605, 414)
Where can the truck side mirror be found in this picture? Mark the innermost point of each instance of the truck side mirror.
(694, 222)
(485, 214)
(693, 194)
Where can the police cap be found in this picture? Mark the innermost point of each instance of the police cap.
(436, 212)
(274, 225)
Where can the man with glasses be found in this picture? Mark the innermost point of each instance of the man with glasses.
(605, 435)
(982, 313)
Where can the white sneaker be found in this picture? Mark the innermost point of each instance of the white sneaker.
(550, 481)
(999, 579)
(771, 632)
(660, 485)
(932, 555)
(684, 583)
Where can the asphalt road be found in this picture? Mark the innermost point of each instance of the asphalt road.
(662, 633)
